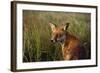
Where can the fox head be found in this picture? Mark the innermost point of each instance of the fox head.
(58, 33)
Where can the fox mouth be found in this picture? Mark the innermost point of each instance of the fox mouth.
(57, 41)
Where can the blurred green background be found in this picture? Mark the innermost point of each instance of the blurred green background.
(37, 33)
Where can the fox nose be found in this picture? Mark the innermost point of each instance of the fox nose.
(53, 41)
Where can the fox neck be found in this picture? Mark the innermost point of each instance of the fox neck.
(64, 38)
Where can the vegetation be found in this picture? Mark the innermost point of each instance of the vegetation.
(37, 33)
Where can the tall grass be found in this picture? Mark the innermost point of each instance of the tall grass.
(37, 33)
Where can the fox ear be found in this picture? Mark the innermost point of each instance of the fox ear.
(52, 26)
(66, 26)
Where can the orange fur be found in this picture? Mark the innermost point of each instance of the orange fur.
(71, 46)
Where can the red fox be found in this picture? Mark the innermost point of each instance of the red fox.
(72, 49)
